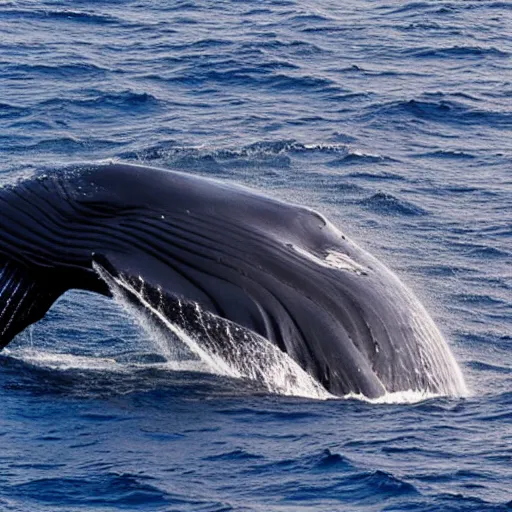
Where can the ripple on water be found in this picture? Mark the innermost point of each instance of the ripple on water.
(387, 204)
(107, 489)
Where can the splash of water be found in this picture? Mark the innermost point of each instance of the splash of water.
(255, 358)
(409, 396)
(61, 361)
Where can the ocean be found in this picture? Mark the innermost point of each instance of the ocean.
(393, 119)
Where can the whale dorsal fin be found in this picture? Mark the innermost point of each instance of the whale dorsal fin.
(24, 300)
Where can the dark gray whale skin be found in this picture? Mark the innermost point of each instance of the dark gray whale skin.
(279, 270)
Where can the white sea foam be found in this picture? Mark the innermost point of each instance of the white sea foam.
(399, 397)
(62, 361)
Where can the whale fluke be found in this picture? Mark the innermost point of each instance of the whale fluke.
(24, 299)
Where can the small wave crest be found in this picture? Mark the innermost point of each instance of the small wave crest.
(462, 52)
(258, 152)
(442, 111)
(387, 204)
(107, 489)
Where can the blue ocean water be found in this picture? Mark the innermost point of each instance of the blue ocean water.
(392, 118)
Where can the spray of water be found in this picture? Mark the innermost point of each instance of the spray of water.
(239, 354)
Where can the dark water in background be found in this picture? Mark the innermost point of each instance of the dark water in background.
(394, 119)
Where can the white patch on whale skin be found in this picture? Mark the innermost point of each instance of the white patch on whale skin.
(334, 259)
(342, 261)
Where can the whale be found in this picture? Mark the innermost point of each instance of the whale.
(256, 264)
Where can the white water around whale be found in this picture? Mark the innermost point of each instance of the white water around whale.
(255, 359)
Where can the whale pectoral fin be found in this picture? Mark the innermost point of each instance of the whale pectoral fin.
(23, 300)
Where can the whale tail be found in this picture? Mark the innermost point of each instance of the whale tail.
(23, 300)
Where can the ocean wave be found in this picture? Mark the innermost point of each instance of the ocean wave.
(9, 111)
(419, 8)
(487, 252)
(255, 153)
(488, 367)
(107, 489)
(385, 482)
(233, 456)
(405, 8)
(127, 101)
(62, 70)
(357, 158)
(444, 111)
(291, 47)
(447, 154)
(376, 176)
(328, 461)
(60, 145)
(202, 44)
(459, 52)
(387, 204)
(308, 18)
(77, 16)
